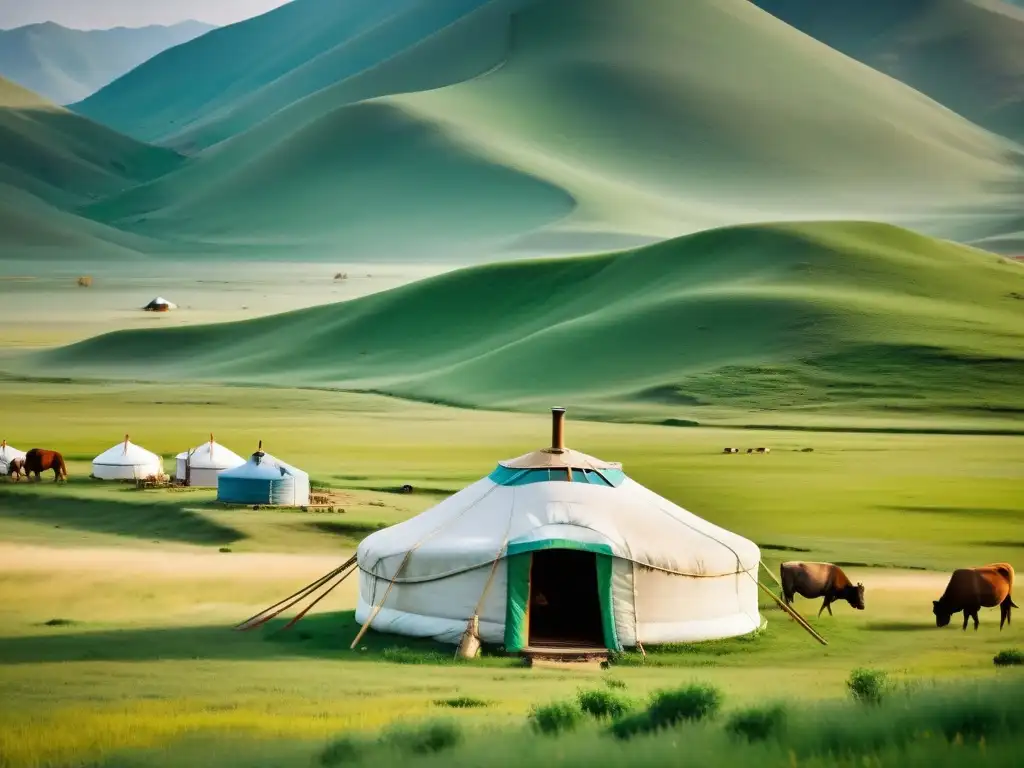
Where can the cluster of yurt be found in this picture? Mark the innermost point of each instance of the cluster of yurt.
(263, 480)
(7, 454)
(559, 549)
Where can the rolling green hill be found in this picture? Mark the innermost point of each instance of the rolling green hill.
(846, 318)
(966, 54)
(565, 119)
(64, 158)
(53, 161)
(66, 65)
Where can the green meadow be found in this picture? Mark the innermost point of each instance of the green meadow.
(118, 604)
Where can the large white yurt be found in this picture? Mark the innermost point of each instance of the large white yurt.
(127, 461)
(7, 454)
(559, 549)
(200, 466)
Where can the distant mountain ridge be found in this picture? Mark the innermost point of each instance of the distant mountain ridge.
(966, 54)
(67, 65)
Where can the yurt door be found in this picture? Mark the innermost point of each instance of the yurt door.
(559, 598)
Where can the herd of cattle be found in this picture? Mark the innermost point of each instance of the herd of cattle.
(969, 590)
(749, 450)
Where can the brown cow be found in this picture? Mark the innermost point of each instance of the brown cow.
(39, 460)
(813, 580)
(971, 589)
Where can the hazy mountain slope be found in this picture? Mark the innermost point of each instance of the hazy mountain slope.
(646, 121)
(966, 54)
(66, 65)
(847, 317)
(228, 81)
(61, 157)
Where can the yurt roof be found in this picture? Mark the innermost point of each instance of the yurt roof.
(211, 455)
(501, 515)
(160, 301)
(8, 452)
(126, 454)
(262, 466)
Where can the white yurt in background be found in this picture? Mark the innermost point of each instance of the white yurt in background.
(160, 304)
(126, 461)
(200, 467)
(8, 452)
(264, 480)
(559, 549)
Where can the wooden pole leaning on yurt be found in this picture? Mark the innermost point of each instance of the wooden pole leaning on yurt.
(795, 616)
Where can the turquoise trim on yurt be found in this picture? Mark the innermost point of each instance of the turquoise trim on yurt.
(517, 607)
(612, 478)
(263, 480)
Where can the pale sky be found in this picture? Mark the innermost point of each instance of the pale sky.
(102, 14)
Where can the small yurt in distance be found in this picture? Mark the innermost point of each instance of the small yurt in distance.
(199, 467)
(160, 304)
(7, 454)
(264, 480)
(127, 461)
(557, 549)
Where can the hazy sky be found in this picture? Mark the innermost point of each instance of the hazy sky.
(101, 14)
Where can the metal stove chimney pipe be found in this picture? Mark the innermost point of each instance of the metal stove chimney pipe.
(557, 430)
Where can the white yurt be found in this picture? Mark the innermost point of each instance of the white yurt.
(557, 549)
(7, 453)
(200, 466)
(126, 461)
(160, 304)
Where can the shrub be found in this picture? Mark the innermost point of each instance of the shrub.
(425, 738)
(601, 704)
(612, 682)
(868, 686)
(631, 725)
(341, 751)
(758, 723)
(557, 717)
(1009, 658)
(694, 702)
(461, 702)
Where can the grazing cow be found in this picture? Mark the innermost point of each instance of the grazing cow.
(813, 580)
(764, 450)
(16, 468)
(731, 450)
(971, 589)
(39, 460)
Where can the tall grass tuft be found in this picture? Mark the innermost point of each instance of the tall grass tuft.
(1009, 658)
(694, 702)
(555, 718)
(603, 704)
(868, 686)
(424, 738)
(758, 723)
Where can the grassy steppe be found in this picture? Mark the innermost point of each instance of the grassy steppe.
(142, 669)
(759, 323)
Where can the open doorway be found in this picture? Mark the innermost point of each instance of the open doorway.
(565, 609)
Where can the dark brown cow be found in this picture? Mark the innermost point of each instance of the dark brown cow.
(813, 580)
(40, 460)
(971, 589)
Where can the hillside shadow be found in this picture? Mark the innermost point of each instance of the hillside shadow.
(899, 626)
(987, 512)
(326, 635)
(137, 519)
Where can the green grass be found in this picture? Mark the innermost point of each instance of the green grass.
(115, 637)
(768, 323)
